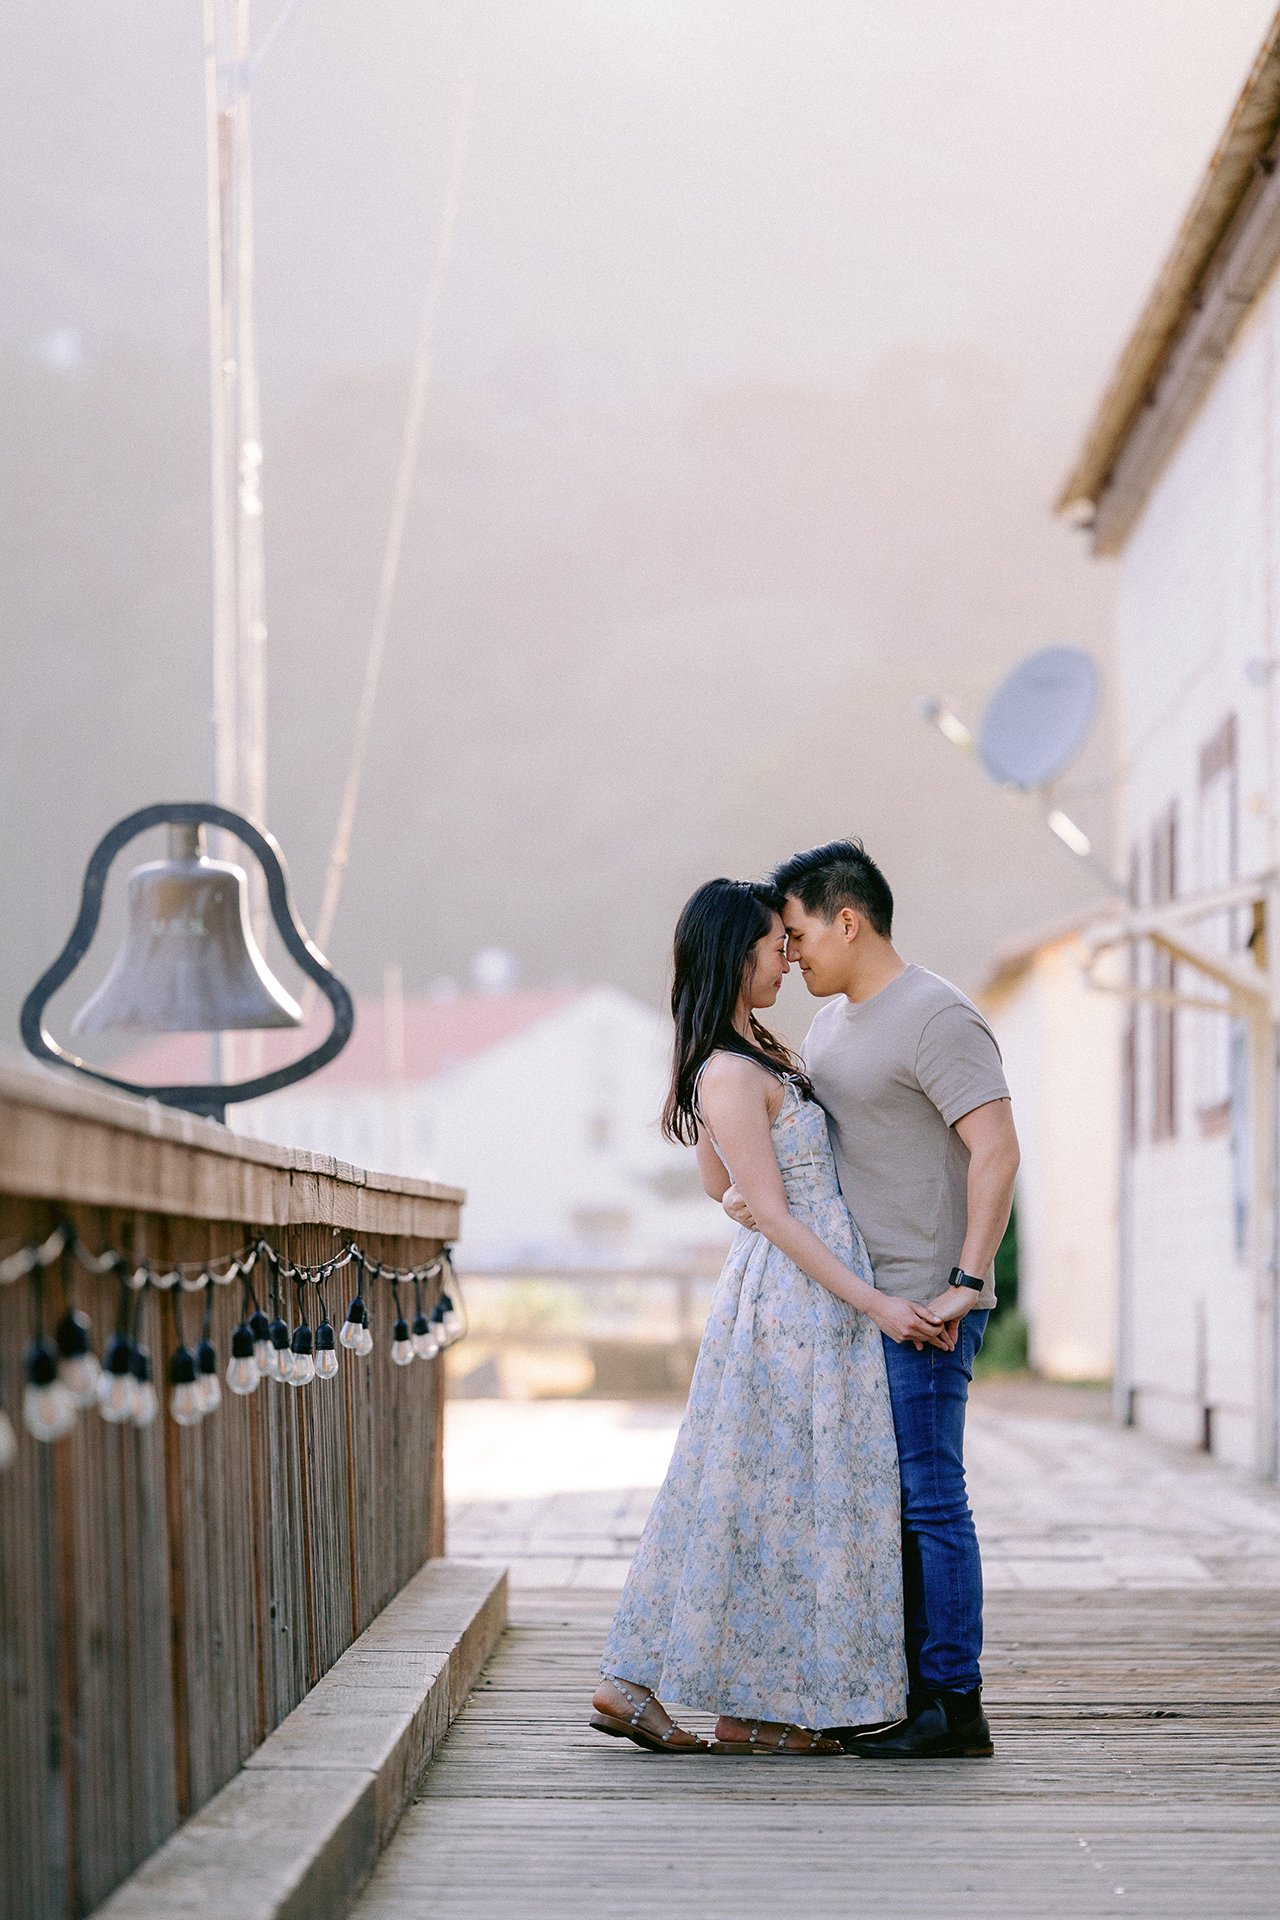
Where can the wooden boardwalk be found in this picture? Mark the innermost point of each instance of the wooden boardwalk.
(1138, 1742)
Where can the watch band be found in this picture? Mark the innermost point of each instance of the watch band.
(959, 1278)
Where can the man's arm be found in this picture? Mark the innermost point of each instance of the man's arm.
(994, 1156)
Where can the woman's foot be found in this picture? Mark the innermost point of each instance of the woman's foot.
(637, 1712)
(771, 1736)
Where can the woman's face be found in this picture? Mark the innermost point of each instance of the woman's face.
(766, 964)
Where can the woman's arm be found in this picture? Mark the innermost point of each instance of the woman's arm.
(735, 1098)
(715, 1175)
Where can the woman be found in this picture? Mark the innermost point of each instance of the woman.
(767, 1585)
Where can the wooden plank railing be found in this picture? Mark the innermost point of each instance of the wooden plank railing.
(169, 1594)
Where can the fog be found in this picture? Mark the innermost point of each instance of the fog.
(766, 337)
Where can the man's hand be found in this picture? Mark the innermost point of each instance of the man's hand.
(736, 1208)
(953, 1305)
(903, 1320)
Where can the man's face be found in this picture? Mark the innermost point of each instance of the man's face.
(820, 948)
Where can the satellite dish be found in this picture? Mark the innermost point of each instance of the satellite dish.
(1038, 718)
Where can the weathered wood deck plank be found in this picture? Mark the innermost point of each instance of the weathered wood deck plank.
(1138, 1736)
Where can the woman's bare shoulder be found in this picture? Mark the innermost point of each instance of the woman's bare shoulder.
(733, 1076)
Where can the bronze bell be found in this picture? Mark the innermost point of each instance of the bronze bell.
(189, 962)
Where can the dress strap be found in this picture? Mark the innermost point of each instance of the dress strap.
(697, 1083)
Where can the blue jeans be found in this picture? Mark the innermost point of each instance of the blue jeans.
(941, 1567)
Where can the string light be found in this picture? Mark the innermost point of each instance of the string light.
(357, 1335)
(48, 1410)
(303, 1370)
(64, 1374)
(326, 1344)
(260, 1340)
(425, 1342)
(184, 1392)
(146, 1401)
(402, 1351)
(79, 1368)
(280, 1364)
(78, 1364)
(208, 1385)
(117, 1390)
(242, 1368)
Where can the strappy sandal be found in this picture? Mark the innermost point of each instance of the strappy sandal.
(630, 1729)
(818, 1743)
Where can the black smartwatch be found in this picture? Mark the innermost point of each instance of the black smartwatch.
(959, 1278)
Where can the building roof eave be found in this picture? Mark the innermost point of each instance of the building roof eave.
(1233, 171)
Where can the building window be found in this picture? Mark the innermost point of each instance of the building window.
(1164, 888)
(1216, 867)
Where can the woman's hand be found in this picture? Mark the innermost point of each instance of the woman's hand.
(902, 1321)
(737, 1209)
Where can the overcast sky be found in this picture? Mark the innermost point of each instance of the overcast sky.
(768, 334)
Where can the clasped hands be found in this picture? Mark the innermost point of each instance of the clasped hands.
(900, 1320)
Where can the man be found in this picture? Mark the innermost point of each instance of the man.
(920, 1121)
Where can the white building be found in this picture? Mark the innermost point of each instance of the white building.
(542, 1104)
(1060, 1042)
(1180, 479)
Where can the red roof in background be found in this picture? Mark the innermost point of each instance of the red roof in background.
(438, 1034)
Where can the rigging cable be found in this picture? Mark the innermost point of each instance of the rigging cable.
(409, 449)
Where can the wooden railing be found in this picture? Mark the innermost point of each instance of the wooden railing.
(168, 1594)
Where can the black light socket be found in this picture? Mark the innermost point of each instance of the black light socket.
(75, 1334)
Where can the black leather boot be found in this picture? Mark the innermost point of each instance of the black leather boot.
(930, 1732)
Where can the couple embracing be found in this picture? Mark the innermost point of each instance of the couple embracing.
(809, 1570)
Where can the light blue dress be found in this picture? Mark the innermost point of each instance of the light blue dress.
(768, 1579)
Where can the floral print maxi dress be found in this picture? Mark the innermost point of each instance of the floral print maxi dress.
(768, 1579)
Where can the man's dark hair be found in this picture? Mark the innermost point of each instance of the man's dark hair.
(841, 874)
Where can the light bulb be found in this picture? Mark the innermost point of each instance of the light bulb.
(401, 1345)
(425, 1344)
(48, 1410)
(326, 1352)
(117, 1389)
(303, 1370)
(263, 1351)
(355, 1324)
(365, 1347)
(146, 1402)
(242, 1367)
(279, 1360)
(78, 1367)
(184, 1392)
(208, 1385)
(8, 1441)
(450, 1319)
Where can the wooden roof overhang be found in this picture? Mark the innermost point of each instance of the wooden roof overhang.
(1225, 251)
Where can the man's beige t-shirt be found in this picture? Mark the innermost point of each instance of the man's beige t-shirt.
(894, 1074)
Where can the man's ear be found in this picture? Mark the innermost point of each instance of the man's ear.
(851, 923)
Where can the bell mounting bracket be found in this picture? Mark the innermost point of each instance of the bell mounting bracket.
(211, 1100)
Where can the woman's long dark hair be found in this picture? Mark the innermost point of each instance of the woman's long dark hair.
(714, 937)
